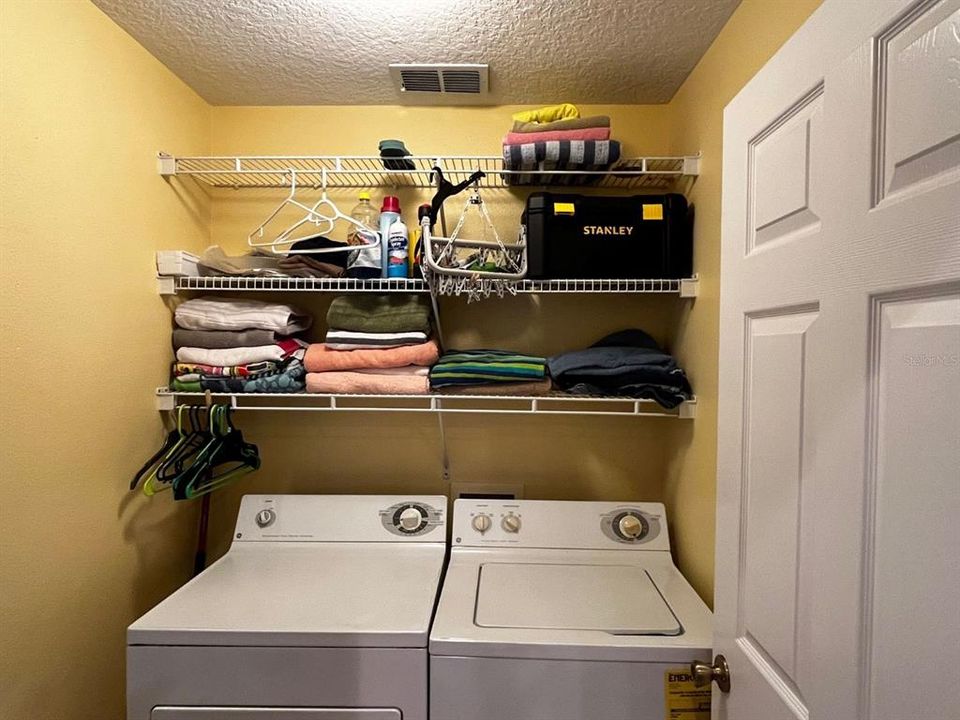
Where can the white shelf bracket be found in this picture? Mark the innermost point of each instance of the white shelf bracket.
(166, 164)
(690, 287)
(166, 285)
(687, 410)
(164, 400)
(691, 165)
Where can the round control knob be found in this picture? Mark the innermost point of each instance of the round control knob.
(410, 519)
(481, 523)
(265, 517)
(630, 527)
(510, 523)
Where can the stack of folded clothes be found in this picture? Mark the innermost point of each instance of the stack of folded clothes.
(263, 263)
(238, 346)
(376, 344)
(557, 138)
(490, 372)
(628, 363)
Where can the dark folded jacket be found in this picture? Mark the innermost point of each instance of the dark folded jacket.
(628, 364)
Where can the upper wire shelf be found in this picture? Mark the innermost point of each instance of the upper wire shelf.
(687, 287)
(361, 171)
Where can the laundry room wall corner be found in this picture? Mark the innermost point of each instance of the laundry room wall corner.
(754, 32)
(85, 337)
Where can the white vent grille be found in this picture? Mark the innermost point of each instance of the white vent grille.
(441, 84)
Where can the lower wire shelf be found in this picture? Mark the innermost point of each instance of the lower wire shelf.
(552, 404)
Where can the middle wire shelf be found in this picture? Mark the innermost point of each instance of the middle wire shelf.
(685, 288)
(552, 404)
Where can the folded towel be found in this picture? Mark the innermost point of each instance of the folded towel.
(475, 367)
(222, 338)
(321, 359)
(215, 261)
(548, 113)
(199, 369)
(588, 133)
(562, 155)
(418, 370)
(533, 388)
(239, 356)
(595, 121)
(184, 386)
(336, 383)
(397, 312)
(346, 340)
(220, 314)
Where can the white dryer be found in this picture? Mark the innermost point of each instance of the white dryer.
(320, 610)
(561, 610)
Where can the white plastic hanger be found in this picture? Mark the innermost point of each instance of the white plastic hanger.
(323, 214)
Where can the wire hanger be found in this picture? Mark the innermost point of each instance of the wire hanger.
(323, 213)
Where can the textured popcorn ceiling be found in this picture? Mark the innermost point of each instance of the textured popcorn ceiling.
(336, 52)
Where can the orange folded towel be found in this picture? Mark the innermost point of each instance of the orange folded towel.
(320, 358)
(355, 383)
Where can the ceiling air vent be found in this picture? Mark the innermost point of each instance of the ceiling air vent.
(427, 84)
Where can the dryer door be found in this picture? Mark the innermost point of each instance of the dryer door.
(618, 599)
(254, 713)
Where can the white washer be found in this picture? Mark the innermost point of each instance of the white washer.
(320, 610)
(561, 610)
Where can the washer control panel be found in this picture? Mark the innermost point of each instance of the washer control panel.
(341, 518)
(560, 524)
(411, 518)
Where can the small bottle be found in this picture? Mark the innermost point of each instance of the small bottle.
(398, 244)
(389, 213)
(364, 263)
(416, 247)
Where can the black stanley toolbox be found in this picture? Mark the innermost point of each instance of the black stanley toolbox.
(600, 236)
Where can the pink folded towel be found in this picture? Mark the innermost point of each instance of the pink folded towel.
(355, 383)
(593, 133)
(321, 359)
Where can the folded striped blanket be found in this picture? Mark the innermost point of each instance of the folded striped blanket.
(347, 340)
(478, 367)
(559, 155)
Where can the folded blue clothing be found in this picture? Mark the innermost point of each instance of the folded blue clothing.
(290, 378)
(478, 367)
(627, 364)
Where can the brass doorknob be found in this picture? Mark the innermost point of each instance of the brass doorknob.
(719, 673)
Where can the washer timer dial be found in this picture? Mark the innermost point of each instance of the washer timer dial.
(630, 526)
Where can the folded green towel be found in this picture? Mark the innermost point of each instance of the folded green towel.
(393, 313)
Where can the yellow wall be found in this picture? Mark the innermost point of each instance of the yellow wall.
(586, 458)
(755, 31)
(84, 108)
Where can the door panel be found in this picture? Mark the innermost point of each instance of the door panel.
(918, 86)
(771, 486)
(837, 448)
(913, 570)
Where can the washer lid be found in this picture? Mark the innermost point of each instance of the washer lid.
(617, 599)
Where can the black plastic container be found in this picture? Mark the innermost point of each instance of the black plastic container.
(602, 236)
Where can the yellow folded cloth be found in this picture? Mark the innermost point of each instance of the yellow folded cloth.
(550, 113)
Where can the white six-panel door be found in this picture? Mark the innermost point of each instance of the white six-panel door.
(838, 549)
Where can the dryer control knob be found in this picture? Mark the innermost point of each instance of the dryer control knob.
(265, 518)
(481, 523)
(510, 523)
(630, 527)
(410, 519)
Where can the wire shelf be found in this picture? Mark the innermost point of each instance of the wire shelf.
(552, 404)
(362, 171)
(686, 287)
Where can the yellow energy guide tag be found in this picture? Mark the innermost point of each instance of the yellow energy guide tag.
(653, 212)
(683, 700)
(563, 209)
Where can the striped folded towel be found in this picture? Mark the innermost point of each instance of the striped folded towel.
(477, 367)
(559, 155)
(347, 340)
